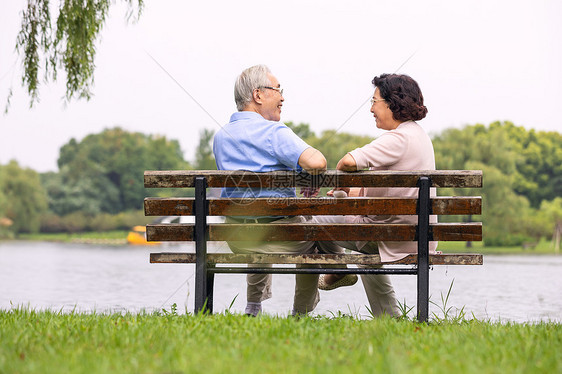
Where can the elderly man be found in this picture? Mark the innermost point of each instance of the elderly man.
(256, 141)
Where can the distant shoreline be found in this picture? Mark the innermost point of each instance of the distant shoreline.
(116, 237)
(119, 237)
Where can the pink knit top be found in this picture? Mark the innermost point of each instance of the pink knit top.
(407, 147)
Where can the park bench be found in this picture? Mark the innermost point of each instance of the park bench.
(209, 264)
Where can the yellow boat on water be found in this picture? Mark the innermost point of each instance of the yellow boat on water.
(137, 236)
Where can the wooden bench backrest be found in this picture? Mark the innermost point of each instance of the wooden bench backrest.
(314, 206)
(332, 178)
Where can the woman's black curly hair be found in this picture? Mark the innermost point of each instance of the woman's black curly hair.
(403, 96)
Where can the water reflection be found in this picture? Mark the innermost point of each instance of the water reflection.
(84, 277)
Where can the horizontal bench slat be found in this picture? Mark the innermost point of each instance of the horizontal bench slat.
(313, 232)
(441, 205)
(332, 178)
(314, 259)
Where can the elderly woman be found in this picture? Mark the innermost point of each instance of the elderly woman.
(396, 104)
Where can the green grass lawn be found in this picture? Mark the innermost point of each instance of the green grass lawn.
(542, 247)
(50, 342)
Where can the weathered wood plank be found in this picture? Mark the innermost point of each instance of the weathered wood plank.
(314, 206)
(314, 259)
(456, 205)
(313, 232)
(332, 178)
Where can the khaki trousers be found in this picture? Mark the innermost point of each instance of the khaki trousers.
(259, 285)
(378, 287)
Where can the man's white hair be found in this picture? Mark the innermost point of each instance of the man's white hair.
(250, 79)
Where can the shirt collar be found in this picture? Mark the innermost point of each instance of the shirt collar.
(405, 123)
(245, 115)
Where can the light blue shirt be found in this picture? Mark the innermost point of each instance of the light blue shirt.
(250, 142)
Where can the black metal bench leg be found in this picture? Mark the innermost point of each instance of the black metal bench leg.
(210, 289)
(201, 287)
(201, 273)
(423, 293)
(423, 248)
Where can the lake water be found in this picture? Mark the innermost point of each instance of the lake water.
(83, 277)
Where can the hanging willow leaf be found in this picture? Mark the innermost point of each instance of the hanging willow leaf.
(70, 46)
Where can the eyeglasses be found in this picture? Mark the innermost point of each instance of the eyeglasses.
(280, 90)
(373, 101)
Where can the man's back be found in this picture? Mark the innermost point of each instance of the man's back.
(250, 142)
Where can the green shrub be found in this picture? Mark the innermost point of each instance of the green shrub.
(126, 220)
(75, 222)
(6, 233)
(51, 222)
(102, 222)
(507, 240)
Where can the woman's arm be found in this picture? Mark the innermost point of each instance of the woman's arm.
(347, 163)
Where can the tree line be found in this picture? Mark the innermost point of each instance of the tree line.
(522, 192)
(99, 185)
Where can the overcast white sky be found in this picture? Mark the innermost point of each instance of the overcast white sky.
(476, 62)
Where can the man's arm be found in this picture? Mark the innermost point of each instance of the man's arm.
(313, 161)
(347, 163)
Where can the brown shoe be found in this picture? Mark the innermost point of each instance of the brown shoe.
(347, 280)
